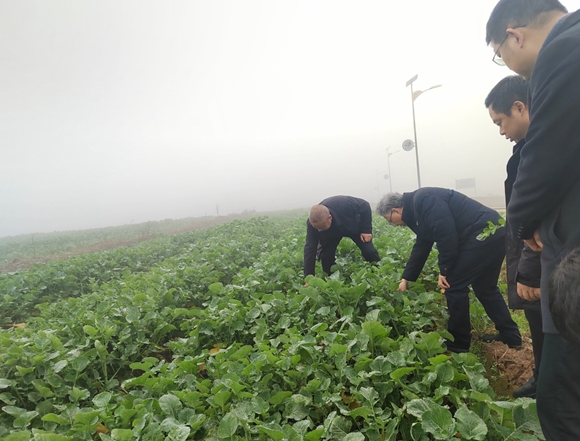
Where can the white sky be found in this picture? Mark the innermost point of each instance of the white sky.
(114, 112)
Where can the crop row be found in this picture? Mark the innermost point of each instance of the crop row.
(221, 340)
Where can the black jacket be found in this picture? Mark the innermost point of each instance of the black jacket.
(448, 218)
(546, 194)
(350, 217)
(548, 175)
(523, 264)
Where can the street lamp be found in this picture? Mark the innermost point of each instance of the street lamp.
(389, 166)
(414, 96)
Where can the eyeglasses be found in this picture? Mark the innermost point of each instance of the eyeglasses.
(390, 217)
(497, 57)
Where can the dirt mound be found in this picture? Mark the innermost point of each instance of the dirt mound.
(509, 368)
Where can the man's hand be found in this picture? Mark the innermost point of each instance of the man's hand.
(534, 243)
(366, 237)
(402, 285)
(528, 293)
(443, 283)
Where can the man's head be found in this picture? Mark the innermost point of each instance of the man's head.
(517, 29)
(507, 104)
(320, 217)
(564, 296)
(391, 208)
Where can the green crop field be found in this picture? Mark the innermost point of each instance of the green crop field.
(211, 335)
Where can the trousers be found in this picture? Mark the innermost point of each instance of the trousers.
(479, 267)
(328, 251)
(558, 393)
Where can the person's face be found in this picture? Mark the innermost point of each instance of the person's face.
(515, 126)
(324, 224)
(515, 52)
(395, 217)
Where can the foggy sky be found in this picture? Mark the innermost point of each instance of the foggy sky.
(114, 112)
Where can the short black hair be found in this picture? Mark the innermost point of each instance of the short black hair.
(505, 93)
(564, 296)
(518, 13)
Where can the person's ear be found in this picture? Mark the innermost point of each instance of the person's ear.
(519, 107)
(518, 34)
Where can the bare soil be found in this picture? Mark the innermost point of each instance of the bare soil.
(509, 368)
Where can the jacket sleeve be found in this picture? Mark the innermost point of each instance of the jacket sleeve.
(550, 157)
(416, 262)
(439, 219)
(529, 268)
(366, 217)
(310, 248)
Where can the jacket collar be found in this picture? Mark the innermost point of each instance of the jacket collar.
(518, 146)
(408, 216)
(565, 23)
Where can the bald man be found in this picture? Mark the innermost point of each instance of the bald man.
(331, 220)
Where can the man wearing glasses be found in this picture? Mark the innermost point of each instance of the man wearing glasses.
(453, 221)
(538, 40)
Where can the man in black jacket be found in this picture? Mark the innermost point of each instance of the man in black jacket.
(331, 220)
(507, 103)
(453, 221)
(540, 41)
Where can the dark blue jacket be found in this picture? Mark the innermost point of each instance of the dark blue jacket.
(447, 218)
(523, 264)
(546, 194)
(350, 217)
(549, 167)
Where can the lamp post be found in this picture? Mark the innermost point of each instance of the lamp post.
(414, 96)
(389, 166)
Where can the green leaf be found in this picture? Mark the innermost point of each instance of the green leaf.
(53, 418)
(23, 435)
(180, 433)
(228, 426)
(170, 405)
(90, 330)
(397, 374)
(79, 394)
(362, 411)
(59, 366)
(297, 407)
(41, 387)
(442, 358)
(4, 383)
(339, 428)
(314, 435)
(133, 314)
(216, 287)
(13, 410)
(122, 434)
(222, 397)
(470, 425)
(354, 436)
(370, 394)
(102, 399)
(273, 430)
(374, 330)
(87, 418)
(80, 363)
(439, 422)
(40, 435)
(279, 397)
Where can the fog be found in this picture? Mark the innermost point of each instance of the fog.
(114, 112)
